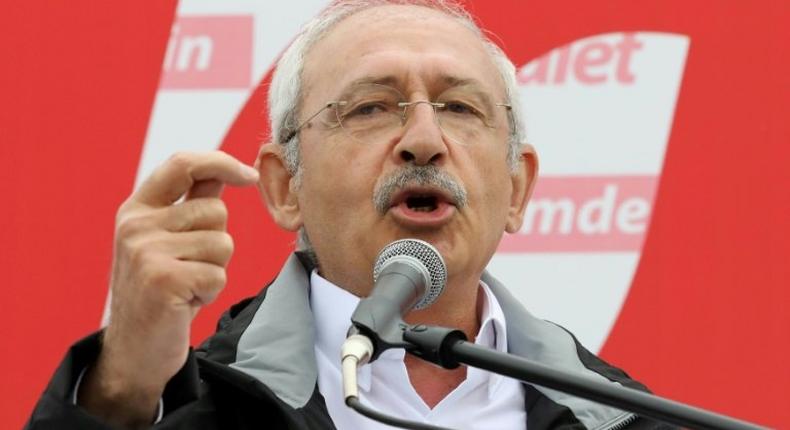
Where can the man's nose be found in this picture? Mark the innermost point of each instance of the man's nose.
(422, 141)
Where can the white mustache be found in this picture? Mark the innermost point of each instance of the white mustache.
(426, 176)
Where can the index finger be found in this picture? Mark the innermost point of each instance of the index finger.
(176, 176)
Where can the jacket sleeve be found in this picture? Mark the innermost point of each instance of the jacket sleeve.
(55, 409)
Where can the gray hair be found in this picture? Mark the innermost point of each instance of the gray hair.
(285, 92)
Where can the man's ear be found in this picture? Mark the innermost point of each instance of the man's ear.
(278, 187)
(523, 182)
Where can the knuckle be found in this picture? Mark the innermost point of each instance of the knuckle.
(210, 209)
(204, 213)
(133, 252)
(128, 225)
(225, 247)
(124, 208)
(142, 254)
(222, 155)
(227, 242)
(220, 277)
(211, 282)
(180, 160)
(175, 219)
(196, 211)
(219, 207)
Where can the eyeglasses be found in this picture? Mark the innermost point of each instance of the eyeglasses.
(372, 113)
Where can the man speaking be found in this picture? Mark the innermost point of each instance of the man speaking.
(390, 120)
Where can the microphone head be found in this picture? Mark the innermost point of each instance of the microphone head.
(419, 253)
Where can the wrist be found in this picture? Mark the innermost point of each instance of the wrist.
(118, 398)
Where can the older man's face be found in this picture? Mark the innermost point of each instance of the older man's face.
(422, 54)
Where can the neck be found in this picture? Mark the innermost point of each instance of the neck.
(458, 307)
(461, 310)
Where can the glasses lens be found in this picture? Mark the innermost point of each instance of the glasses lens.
(464, 116)
(370, 113)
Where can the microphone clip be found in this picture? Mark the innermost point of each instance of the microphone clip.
(434, 343)
(382, 337)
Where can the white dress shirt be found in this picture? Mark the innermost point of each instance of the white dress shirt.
(483, 400)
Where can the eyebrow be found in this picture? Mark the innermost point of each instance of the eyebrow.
(389, 80)
(454, 81)
(449, 81)
(472, 85)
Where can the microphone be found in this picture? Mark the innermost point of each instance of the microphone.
(408, 274)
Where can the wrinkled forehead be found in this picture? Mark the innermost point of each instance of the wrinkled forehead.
(415, 48)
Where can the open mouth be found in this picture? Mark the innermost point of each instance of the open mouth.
(421, 199)
(422, 203)
(422, 207)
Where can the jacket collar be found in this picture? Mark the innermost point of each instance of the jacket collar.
(277, 346)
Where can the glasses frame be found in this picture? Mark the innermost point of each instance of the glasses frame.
(403, 105)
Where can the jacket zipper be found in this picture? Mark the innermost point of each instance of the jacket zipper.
(619, 423)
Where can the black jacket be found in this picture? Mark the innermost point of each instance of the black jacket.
(259, 372)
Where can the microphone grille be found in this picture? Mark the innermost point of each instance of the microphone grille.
(427, 255)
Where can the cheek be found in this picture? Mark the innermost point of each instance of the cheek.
(493, 187)
(337, 182)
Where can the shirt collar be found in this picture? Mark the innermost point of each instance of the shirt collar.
(492, 334)
(333, 306)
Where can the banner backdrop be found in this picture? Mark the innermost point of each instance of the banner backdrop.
(657, 233)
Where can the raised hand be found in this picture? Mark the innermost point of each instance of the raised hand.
(170, 253)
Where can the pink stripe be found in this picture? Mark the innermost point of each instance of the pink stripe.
(585, 214)
(209, 52)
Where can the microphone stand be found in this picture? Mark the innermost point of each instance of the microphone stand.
(448, 348)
